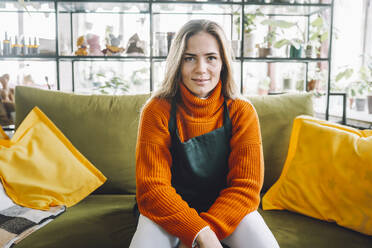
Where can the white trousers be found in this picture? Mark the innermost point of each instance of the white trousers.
(252, 232)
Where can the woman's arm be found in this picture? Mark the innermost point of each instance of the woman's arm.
(245, 177)
(156, 197)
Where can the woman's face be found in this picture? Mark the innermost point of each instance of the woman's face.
(201, 64)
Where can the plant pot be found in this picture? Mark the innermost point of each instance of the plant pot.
(311, 85)
(351, 102)
(309, 52)
(264, 52)
(262, 92)
(287, 83)
(294, 52)
(249, 44)
(235, 46)
(369, 98)
(360, 104)
(300, 85)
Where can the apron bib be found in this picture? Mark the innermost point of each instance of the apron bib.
(200, 165)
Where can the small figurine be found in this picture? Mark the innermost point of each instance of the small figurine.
(113, 48)
(94, 47)
(6, 93)
(82, 46)
(135, 46)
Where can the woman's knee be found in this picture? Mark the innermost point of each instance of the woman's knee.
(149, 234)
(252, 232)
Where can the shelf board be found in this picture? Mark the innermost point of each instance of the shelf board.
(285, 9)
(112, 7)
(27, 57)
(102, 58)
(281, 59)
(155, 58)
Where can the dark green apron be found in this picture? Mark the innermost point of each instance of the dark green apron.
(200, 165)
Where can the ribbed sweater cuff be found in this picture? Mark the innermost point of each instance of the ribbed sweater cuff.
(193, 230)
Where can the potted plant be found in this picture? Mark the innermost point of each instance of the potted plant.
(249, 26)
(318, 34)
(265, 49)
(357, 90)
(345, 73)
(365, 74)
(316, 77)
(114, 85)
(264, 85)
(294, 44)
(359, 87)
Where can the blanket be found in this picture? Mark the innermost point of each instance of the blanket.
(17, 222)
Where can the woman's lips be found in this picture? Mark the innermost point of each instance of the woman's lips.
(200, 80)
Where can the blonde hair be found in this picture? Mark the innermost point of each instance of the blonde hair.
(170, 84)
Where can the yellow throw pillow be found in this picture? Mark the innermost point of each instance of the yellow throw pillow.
(3, 135)
(327, 174)
(40, 168)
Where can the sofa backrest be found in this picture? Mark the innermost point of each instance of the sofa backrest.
(276, 114)
(104, 128)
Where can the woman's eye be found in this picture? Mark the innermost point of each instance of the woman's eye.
(212, 58)
(188, 59)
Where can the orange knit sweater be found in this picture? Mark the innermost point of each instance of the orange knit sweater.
(156, 197)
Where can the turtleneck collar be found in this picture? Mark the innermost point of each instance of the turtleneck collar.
(198, 107)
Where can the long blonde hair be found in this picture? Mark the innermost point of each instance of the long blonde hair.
(170, 84)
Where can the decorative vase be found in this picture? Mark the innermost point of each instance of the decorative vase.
(369, 98)
(309, 51)
(300, 85)
(287, 83)
(360, 104)
(249, 44)
(235, 46)
(294, 52)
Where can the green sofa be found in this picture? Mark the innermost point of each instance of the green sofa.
(104, 129)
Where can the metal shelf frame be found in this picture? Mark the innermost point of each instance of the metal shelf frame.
(315, 7)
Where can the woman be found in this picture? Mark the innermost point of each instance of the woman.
(199, 156)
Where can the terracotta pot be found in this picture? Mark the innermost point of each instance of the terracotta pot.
(351, 101)
(262, 91)
(311, 85)
(264, 52)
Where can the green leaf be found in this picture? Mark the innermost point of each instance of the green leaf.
(314, 36)
(281, 43)
(318, 22)
(324, 37)
(278, 23)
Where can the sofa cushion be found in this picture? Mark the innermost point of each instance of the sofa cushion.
(298, 231)
(103, 128)
(276, 114)
(40, 168)
(96, 222)
(327, 174)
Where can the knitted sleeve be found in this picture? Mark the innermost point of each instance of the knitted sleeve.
(245, 177)
(156, 197)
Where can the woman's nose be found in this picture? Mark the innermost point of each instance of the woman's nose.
(201, 66)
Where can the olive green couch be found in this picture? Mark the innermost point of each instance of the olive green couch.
(104, 129)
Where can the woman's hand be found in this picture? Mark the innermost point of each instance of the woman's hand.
(208, 239)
